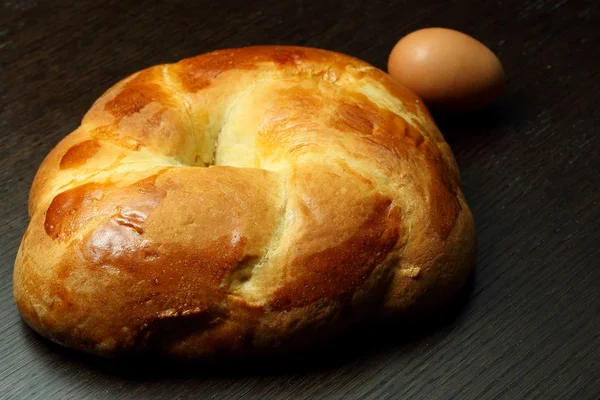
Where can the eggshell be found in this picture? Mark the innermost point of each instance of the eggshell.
(447, 69)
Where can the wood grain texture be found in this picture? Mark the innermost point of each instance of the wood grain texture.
(529, 324)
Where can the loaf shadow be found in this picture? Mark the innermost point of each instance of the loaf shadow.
(359, 343)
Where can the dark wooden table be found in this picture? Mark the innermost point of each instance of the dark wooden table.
(529, 325)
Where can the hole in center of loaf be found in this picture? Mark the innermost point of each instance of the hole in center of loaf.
(233, 155)
(228, 137)
(230, 146)
(200, 162)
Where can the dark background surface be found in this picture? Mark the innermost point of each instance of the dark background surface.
(530, 323)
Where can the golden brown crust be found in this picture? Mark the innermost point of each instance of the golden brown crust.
(245, 201)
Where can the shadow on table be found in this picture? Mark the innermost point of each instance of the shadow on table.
(464, 129)
(358, 343)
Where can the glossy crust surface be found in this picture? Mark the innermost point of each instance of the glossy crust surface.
(245, 201)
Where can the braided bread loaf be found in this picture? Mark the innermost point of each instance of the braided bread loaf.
(245, 201)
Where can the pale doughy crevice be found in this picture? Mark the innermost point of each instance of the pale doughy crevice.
(246, 287)
(168, 79)
(376, 93)
(225, 124)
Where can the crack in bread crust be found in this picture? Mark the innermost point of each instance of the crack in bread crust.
(243, 202)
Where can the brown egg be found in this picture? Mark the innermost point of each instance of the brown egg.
(447, 69)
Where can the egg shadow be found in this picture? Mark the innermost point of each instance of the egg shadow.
(466, 129)
(358, 343)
